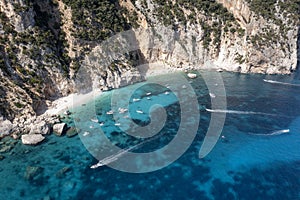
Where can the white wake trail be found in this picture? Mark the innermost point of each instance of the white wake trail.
(116, 156)
(239, 112)
(280, 132)
(281, 83)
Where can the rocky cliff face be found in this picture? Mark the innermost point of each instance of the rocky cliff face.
(50, 48)
(40, 55)
(250, 41)
(271, 30)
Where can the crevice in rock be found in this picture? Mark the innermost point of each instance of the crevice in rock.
(298, 49)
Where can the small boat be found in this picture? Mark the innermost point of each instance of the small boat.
(149, 93)
(167, 93)
(86, 133)
(212, 95)
(140, 112)
(102, 124)
(95, 120)
(91, 127)
(192, 75)
(117, 124)
(148, 98)
(104, 162)
(122, 110)
(136, 100)
(110, 112)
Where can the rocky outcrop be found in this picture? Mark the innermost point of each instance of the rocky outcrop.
(20, 17)
(39, 128)
(5, 127)
(59, 129)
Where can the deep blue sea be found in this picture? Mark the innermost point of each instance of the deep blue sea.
(257, 155)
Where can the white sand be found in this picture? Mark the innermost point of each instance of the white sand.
(157, 68)
(65, 103)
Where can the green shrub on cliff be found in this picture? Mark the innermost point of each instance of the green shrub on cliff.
(96, 20)
(170, 12)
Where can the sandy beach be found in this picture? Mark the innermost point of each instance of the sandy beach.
(63, 104)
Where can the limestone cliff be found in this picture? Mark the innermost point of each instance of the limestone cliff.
(50, 48)
(250, 41)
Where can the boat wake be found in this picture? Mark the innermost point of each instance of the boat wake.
(239, 112)
(122, 152)
(281, 83)
(280, 132)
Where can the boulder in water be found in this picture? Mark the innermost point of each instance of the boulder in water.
(32, 139)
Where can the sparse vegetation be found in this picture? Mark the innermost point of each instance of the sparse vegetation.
(268, 9)
(239, 59)
(97, 20)
(276, 12)
(171, 12)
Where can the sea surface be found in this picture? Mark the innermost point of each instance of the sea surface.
(257, 155)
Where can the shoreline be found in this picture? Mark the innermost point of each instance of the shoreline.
(43, 124)
(63, 104)
(60, 105)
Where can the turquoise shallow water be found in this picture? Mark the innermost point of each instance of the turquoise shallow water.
(246, 163)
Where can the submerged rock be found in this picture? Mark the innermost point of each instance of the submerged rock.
(47, 198)
(61, 173)
(5, 148)
(32, 139)
(68, 186)
(32, 173)
(59, 129)
(72, 132)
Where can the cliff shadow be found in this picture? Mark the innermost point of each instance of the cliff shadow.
(297, 71)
